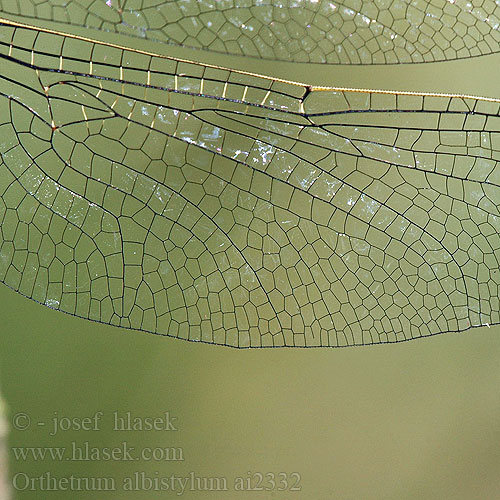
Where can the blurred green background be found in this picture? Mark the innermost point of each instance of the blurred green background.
(418, 420)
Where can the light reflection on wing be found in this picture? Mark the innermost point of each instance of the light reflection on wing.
(211, 205)
(318, 31)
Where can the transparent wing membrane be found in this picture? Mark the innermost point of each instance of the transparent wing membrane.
(216, 206)
(317, 31)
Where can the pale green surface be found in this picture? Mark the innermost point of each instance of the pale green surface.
(412, 421)
(417, 420)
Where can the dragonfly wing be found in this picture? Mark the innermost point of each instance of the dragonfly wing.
(292, 30)
(216, 206)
